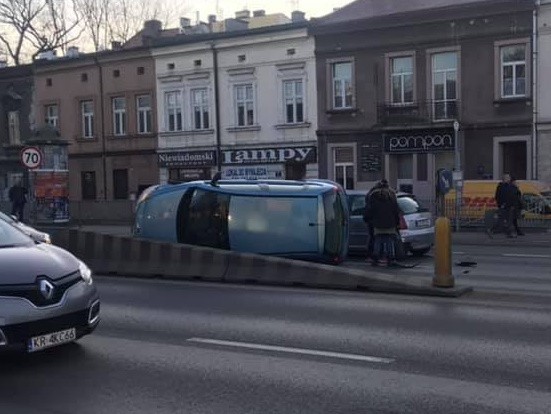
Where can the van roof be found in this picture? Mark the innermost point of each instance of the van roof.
(254, 187)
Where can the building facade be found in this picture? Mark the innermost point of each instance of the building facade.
(104, 105)
(393, 79)
(16, 122)
(543, 80)
(242, 102)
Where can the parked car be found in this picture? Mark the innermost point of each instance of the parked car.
(47, 296)
(416, 224)
(36, 235)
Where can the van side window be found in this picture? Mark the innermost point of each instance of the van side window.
(205, 223)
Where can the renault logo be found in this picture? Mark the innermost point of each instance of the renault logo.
(46, 289)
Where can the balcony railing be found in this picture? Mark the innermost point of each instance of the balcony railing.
(420, 112)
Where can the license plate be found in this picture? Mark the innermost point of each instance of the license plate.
(41, 342)
(423, 223)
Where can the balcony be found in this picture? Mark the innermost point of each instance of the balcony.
(418, 113)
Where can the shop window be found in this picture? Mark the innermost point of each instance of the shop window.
(120, 184)
(422, 167)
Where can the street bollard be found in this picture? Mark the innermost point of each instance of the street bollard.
(443, 254)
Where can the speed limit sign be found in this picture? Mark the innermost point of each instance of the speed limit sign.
(31, 157)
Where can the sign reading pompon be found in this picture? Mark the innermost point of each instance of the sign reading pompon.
(420, 141)
(31, 157)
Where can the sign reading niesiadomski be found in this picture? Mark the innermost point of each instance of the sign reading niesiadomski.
(411, 141)
(269, 155)
(205, 158)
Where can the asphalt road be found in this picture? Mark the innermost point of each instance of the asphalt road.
(514, 270)
(179, 347)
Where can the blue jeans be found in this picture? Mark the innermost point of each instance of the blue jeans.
(384, 246)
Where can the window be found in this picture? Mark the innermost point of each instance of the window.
(173, 111)
(244, 104)
(88, 185)
(343, 158)
(84, 77)
(513, 71)
(444, 85)
(49, 82)
(119, 116)
(241, 58)
(170, 66)
(200, 107)
(140, 70)
(294, 101)
(120, 184)
(143, 104)
(52, 115)
(14, 128)
(197, 63)
(342, 85)
(401, 78)
(87, 110)
(116, 73)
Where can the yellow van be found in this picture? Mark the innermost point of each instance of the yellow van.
(478, 197)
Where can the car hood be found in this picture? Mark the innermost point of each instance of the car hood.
(21, 265)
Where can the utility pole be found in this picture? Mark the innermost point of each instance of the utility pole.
(457, 177)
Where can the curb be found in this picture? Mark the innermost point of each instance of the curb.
(127, 256)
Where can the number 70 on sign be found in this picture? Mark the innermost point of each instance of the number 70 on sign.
(31, 157)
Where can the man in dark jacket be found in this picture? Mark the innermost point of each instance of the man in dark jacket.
(505, 197)
(384, 214)
(368, 221)
(18, 198)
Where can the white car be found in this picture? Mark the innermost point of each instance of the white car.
(37, 236)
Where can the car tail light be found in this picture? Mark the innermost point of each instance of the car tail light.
(403, 223)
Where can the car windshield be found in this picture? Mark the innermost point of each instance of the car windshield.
(12, 237)
(408, 205)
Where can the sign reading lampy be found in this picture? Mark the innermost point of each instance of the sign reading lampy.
(188, 159)
(269, 155)
(420, 141)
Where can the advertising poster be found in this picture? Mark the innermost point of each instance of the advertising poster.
(51, 195)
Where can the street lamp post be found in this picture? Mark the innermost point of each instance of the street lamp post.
(458, 176)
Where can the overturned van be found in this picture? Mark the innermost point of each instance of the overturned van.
(296, 219)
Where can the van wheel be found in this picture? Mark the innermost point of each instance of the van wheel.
(420, 252)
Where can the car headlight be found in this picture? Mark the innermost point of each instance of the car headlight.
(85, 273)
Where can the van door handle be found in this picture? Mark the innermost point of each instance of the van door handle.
(314, 224)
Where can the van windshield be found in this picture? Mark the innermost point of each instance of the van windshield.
(273, 225)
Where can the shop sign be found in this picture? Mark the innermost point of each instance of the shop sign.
(420, 141)
(270, 155)
(205, 158)
(254, 172)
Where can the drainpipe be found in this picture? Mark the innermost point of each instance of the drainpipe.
(217, 107)
(102, 125)
(535, 90)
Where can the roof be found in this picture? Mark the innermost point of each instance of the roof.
(253, 187)
(193, 38)
(401, 12)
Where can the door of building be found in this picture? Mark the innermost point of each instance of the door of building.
(120, 184)
(514, 158)
(344, 169)
(88, 185)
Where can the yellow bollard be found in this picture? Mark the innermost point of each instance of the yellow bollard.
(443, 254)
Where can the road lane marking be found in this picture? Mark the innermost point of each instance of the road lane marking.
(533, 256)
(299, 351)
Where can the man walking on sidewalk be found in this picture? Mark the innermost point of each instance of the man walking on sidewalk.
(506, 197)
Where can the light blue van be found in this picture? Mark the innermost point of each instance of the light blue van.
(296, 219)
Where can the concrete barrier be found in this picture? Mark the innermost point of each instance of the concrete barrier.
(127, 256)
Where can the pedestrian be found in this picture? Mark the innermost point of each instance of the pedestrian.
(518, 207)
(384, 214)
(18, 199)
(503, 189)
(368, 221)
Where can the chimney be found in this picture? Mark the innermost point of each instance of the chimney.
(298, 16)
(115, 45)
(185, 22)
(47, 55)
(243, 14)
(259, 13)
(152, 28)
(3, 63)
(72, 52)
(212, 18)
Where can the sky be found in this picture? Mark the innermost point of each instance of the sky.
(312, 8)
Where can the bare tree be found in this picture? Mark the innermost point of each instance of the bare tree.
(95, 17)
(29, 27)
